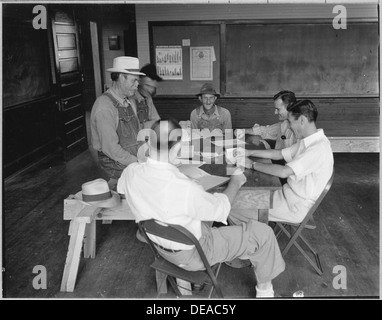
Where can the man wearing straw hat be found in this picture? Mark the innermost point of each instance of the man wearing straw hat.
(116, 119)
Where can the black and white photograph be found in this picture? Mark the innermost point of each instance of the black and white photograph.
(209, 152)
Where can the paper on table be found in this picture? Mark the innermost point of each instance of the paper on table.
(209, 154)
(192, 171)
(230, 158)
(206, 180)
(227, 142)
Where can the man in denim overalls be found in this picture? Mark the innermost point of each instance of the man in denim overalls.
(117, 117)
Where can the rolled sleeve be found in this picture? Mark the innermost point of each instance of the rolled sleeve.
(305, 163)
(205, 206)
(287, 154)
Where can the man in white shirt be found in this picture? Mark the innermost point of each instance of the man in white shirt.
(280, 133)
(308, 168)
(157, 189)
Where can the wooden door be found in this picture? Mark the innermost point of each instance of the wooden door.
(72, 120)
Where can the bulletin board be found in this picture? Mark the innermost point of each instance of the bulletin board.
(311, 59)
(187, 37)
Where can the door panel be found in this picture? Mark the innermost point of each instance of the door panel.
(70, 82)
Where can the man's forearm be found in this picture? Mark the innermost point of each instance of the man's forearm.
(273, 169)
(266, 154)
(232, 190)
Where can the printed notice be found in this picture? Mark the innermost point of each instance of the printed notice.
(169, 62)
(201, 59)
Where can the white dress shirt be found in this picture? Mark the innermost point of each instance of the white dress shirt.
(158, 190)
(311, 160)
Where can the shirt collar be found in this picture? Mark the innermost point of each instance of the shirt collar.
(141, 94)
(318, 135)
(119, 99)
(160, 164)
(216, 112)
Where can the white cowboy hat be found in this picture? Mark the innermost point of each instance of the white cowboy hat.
(126, 65)
(98, 194)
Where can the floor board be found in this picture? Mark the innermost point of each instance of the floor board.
(35, 233)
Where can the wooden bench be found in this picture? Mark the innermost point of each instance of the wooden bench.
(82, 232)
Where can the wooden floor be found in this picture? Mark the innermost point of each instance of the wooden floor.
(34, 233)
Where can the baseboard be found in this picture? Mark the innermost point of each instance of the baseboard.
(355, 144)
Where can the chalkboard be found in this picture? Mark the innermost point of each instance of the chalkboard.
(310, 59)
(26, 64)
(186, 36)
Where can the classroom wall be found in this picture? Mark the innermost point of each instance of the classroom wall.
(109, 29)
(351, 123)
(182, 12)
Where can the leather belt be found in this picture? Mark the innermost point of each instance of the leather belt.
(165, 249)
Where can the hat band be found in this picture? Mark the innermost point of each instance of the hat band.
(132, 70)
(96, 197)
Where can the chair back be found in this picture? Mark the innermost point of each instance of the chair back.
(174, 233)
(313, 209)
(178, 234)
(298, 227)
(168, 231)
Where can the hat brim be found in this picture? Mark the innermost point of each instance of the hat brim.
(215, 94)
(137, 73)
(155, 77)
(114, 201)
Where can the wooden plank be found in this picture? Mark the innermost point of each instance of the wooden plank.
(122, 212)
(73, 257)
(350, 117)
(355, 144)
(90, 240)
(87, 214)
(77, 233)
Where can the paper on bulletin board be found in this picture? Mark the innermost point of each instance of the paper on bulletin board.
(169, 62)
(201, 63)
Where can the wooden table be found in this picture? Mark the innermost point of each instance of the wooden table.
(82, 228)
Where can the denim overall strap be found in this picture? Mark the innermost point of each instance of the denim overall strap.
(205, 122)
(128, 126)
(142, 110)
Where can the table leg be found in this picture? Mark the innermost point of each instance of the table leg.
(90, 240)
(73, 256)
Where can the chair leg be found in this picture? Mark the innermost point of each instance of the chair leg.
(174, 286)
(215, 286)
(293, 241)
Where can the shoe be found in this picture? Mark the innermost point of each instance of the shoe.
(140, 237)
(238, 263)
(198, 287)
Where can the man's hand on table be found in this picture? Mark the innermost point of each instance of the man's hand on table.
(238, 178)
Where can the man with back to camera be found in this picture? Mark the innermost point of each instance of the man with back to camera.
(279, 132)
(308, 168)
(176, 199)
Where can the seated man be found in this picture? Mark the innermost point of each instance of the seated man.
(209, 115)
(309, 165)
(279, 132)
(147, 88)
(117, 117)
(157, 189)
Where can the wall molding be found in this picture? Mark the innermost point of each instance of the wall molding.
(355, 144)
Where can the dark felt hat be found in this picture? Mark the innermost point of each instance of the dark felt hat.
(208, 88)
(151, 71)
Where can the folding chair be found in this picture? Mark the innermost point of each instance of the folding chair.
(179, 234)
(295, 231)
